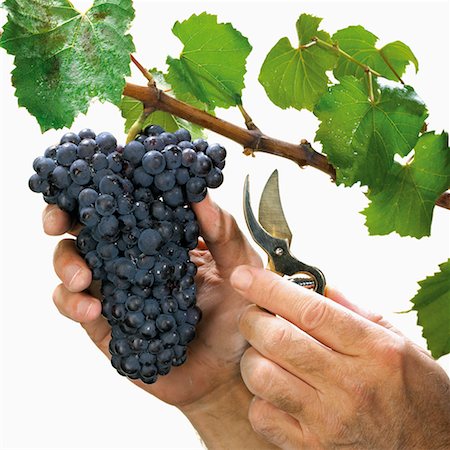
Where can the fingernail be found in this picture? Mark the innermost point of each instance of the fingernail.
(83, 308)
(71, 274)
(241, 278)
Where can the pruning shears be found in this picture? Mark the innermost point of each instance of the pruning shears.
(271, 232)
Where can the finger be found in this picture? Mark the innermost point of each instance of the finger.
(224, 239)
(85, 309)
(71, 267)
(56, 222)
(289, 347)
(201, 244)
(274, 425)
(269, 381)
(337, 296)
(335, 326)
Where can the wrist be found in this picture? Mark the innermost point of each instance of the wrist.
(221, 417)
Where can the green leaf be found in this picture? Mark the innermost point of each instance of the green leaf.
(64, 59)
(406, 203)
(432, 304)
(361, 137)
(296, 77)
(360, 44)
(211, 67)
(131, 110)
(399, 56)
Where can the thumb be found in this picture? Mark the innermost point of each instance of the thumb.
(226, 242)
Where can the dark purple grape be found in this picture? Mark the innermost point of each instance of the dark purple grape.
(137, 230)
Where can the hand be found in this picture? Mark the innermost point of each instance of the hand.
(208, 386)
(328, 375)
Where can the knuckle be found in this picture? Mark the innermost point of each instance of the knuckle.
(60, 249)
(271, 290)
(363, 395)
(313, 314)
(227, 227)
(56, 296)
(244, 319)
(257, 374)
(391, 351)
(278, 337)
(253, 259)
(262, 422)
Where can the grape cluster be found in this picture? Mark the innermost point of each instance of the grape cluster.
(134, 203)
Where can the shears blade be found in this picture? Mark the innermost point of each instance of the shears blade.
(259, 234)
(270, 214)
(276, 243)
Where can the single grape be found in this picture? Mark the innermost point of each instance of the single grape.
(87, 197)
(80, 172)
(216, 152)
(153, 162)
(86, 148)
(172, 153)
(202, 165)
(99, 162)
(60, 177)
(196, 185)
(86, 133)
(106, 142)
(165, 180)
(183, 135)
(154, 143)
(200, 145)
(214, 178)
(153, 130)
(66, 154)
(133, 152)
(105, 205)
(70, 137)
(149, 242)
(168, 138)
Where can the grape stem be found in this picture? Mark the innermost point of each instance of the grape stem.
(253, 140)
(137, 126)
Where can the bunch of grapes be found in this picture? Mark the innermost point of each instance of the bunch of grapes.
(134, 203)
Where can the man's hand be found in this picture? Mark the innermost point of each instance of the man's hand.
(328, 375)
(208, 388)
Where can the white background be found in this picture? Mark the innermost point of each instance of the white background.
(58, 390)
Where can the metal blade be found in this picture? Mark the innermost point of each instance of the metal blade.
(259, 234)
(271, 215)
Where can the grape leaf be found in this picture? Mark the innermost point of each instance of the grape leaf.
(131, 110)
(432, 304)
(361, 137)
(211, 66)
(360, 44)
(296, 77)
(406, 203)
(64, 58)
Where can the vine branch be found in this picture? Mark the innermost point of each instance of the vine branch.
(254, 139)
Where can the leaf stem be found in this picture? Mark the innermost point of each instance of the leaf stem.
(335, 47)
(248, 120)
(303, 154)
(391, 67)
(309, 44)
(370, 81)
(142, 69)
